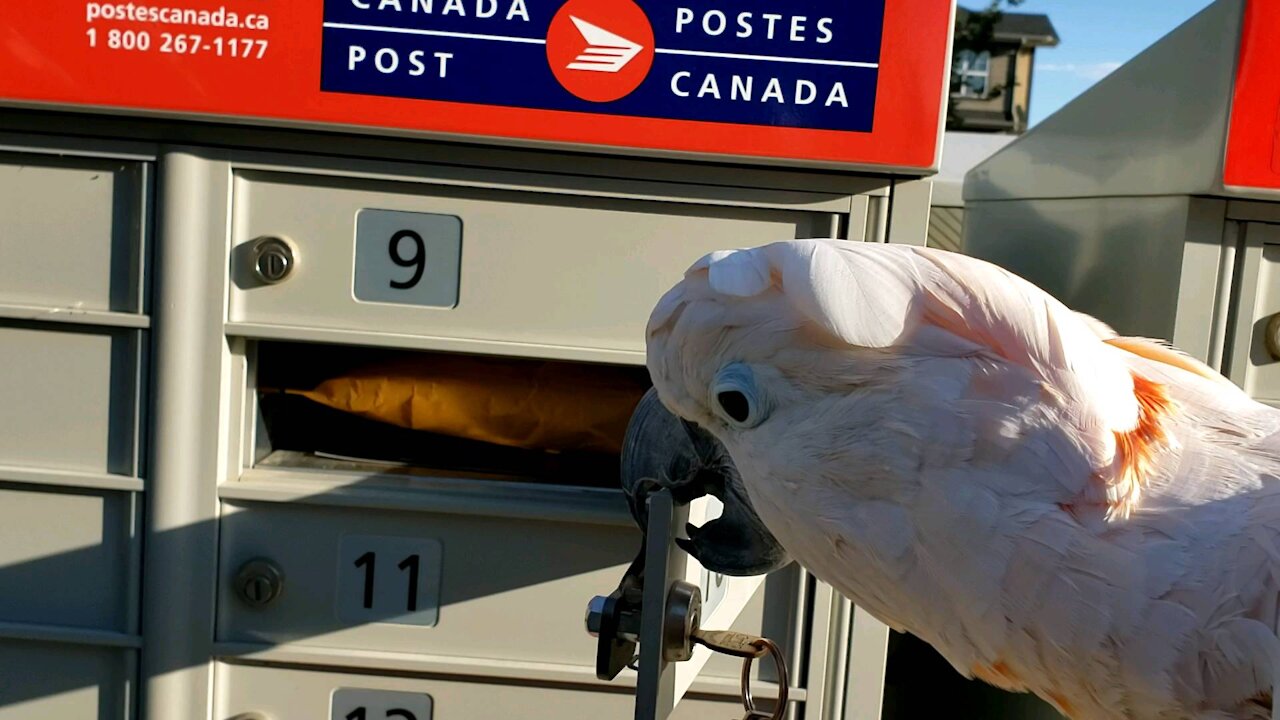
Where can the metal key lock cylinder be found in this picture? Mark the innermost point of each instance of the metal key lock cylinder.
(259, 582)
(616, 622)
(273, 259)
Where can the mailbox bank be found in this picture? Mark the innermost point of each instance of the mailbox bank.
(224, 223)
(1150, 200)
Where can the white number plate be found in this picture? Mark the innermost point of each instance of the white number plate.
(360, 704)
(407, 258)
(389, 580)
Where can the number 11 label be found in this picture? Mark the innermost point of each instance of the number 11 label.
(407, 258)
(388, 580)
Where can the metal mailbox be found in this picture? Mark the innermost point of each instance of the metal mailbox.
(519, 264)
(289, 192)
(66, 681)
(73, 234)
(71, 396)
(80, 573)
(1155, 212)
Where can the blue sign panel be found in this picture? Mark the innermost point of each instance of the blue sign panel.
(803, 64)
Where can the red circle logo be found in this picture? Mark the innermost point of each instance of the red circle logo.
(600, 50)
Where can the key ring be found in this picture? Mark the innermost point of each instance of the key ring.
(765, 646)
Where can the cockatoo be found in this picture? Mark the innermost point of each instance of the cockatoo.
(1055, 508)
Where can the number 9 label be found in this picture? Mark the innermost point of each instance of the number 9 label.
(407, 258)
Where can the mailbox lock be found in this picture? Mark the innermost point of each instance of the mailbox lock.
(1272, 336)
(680, 621)
(259, 582)
(273, 259)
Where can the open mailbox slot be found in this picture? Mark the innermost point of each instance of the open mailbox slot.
(416, 413)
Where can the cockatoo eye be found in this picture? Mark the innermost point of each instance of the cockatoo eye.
(736, 398)
(735, 405)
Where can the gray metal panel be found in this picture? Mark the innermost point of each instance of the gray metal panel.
(188, 426)
(296, 694)
(1156, 126)
(55, 681)
(910, 224)
(1204, 284)
(109, 133)
(69, 398)
(1252, 365)
(1119, 259)
(1252, 210)
(551, 271)
(72, 234)
(66, 558)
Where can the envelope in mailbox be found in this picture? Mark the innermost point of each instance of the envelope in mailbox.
(537, 405)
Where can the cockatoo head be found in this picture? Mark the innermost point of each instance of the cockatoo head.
(734, 363)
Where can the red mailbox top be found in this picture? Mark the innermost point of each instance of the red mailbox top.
(1253, 140)
(846, 83)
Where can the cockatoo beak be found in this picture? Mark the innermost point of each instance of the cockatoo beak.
(662, 450)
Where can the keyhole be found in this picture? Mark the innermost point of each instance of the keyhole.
(259, 582)
(258, 589)
(274, 265)
(273, 259)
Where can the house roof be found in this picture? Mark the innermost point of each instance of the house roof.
(1029, 28)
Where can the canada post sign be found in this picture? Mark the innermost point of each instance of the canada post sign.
(811, 64)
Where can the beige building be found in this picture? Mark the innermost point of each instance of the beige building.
(991, 89)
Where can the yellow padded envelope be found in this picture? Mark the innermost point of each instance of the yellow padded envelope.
(535, 405)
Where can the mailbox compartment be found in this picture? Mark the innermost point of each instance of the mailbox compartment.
(282, 693)
(69, 557)
(73, 235)
(70, 398)
(65, 681)
(426, 583)
(540, 271)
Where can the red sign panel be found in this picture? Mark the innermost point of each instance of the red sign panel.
(1253, 141)
(830, 82)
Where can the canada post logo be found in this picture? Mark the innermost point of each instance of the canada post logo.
(805, 63)
(600, 50)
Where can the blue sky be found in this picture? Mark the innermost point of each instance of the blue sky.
(1097, 36)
